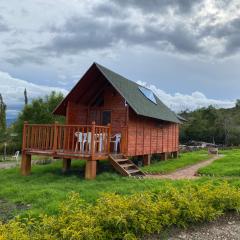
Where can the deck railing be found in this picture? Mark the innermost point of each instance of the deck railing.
(71, 139)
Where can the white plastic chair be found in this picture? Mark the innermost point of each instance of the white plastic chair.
(80, 141)
(116, 141)
(87, 139)
(101, 140)
(16, 155)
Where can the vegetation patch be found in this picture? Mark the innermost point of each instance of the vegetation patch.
(229, 165)
(170, 165)
(8, 209)
(127, 217)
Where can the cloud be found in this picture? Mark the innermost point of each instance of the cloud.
(183, 6)
(12, 91)
(199, 28)
(80, 34)
(3, 25)
(179, 102)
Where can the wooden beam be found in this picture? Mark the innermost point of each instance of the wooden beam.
(66, 164)
(26, 164)
(91, 169)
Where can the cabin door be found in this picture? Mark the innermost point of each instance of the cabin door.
(100, 117)
(106, 118)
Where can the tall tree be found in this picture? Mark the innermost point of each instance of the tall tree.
(3, 108)
(39, 111)
(25, 97)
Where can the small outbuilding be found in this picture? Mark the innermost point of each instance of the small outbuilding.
(107, 116)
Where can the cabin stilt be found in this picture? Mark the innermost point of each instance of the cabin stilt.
(66, 165)
(164, 156)
(146, 160)
(26, 164)
(91, 169)
(175, 154)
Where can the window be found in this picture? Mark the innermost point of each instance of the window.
(148, 94)
(106, 117)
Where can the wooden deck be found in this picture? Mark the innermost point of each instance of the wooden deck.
(87, 142)
(75, 141)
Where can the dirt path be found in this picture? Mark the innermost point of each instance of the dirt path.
(6, 165)
(186, 173)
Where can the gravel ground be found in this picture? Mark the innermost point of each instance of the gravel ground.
(225, 228)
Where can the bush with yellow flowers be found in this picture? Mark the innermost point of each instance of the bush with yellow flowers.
(127, 217)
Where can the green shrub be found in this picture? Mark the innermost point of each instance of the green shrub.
(127, 217)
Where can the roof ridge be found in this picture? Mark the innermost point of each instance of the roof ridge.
(99, 66)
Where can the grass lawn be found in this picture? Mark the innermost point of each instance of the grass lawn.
(171, 165)
(229, 165)
(46, 187)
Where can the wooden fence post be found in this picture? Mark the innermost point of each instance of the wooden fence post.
(55, 136)
(93, 139)
(24, 136)
(109, 137)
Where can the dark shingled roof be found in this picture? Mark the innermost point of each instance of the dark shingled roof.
(135, 98)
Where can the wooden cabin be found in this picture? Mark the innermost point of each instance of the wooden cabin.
(107, 116)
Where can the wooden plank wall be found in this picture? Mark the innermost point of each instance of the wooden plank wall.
(78, 113)
(114, 102)
(144, 135)
(148, 136)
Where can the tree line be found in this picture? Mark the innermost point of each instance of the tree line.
(220, 126)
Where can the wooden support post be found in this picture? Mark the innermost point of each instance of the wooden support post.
(175, 154)
(164, 156)
(91, 169)
(66, 165)
(26, 164)
(146, 160)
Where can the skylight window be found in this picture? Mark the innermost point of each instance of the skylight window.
(148, 94)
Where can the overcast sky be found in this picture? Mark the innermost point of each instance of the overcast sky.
(187, 51)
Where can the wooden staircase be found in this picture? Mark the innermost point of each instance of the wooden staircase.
(125, 166)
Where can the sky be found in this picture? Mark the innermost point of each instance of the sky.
(186, 51)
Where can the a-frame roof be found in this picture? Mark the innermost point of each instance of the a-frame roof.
(129, 90)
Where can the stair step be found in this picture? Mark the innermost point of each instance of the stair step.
(133, 171)
(121, 160)
(127, 165)
(116, 156)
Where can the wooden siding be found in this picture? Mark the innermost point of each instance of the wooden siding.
(148, 136)
(140, 135)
